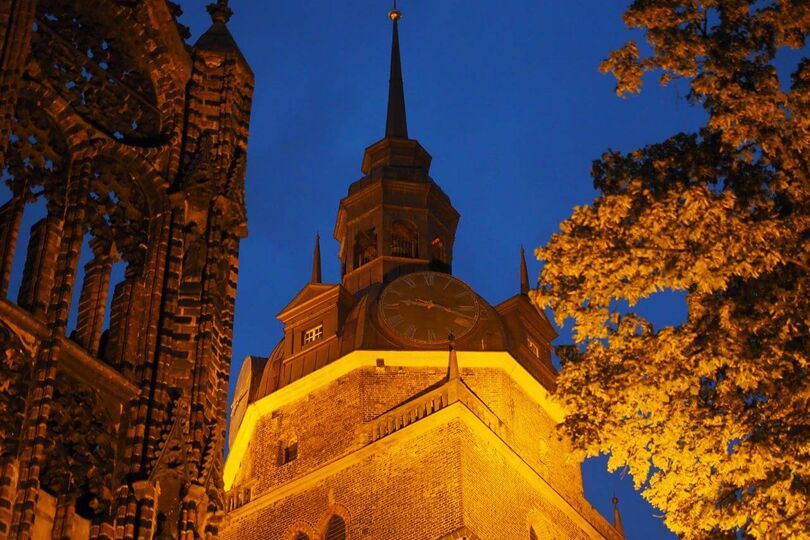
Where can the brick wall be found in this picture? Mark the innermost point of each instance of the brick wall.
(426, 480)
(410, 491)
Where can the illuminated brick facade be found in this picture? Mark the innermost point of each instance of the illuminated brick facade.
(488, 461)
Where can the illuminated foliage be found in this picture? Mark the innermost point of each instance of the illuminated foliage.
(712, 416)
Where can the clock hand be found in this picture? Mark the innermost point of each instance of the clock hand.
(454, 312)
(430, 304)
(416, 302)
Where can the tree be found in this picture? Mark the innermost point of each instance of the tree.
(711, 417)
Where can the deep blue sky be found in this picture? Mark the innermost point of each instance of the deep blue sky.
(507, 98)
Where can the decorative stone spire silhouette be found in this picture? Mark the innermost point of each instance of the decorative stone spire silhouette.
(218, 38)
(316, 260)
(452, 368)
(395, 124)
(524, 273)
(617, 517)
(219, 11)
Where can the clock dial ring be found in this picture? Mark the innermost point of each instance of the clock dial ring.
(423, 308)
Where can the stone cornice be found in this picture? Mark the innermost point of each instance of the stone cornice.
(300, 388)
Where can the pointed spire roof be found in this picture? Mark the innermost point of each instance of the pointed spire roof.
(396, 124)
(452, 368)
(316, 260)
(396, 148)
(218, 38)
(617, 517)
(524, 273)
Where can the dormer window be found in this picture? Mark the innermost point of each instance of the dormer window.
(312, 335)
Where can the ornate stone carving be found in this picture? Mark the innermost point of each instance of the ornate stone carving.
(81, 453)
(136, 142)
(16, 362)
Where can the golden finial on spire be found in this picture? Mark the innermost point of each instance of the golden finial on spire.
(395, 14)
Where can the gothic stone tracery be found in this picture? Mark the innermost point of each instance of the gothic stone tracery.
(131, 145)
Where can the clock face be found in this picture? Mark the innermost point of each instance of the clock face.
(426, 307)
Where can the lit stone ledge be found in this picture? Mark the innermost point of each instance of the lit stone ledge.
(368, 359)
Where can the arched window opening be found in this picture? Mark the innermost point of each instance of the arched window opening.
(438, 251)
(438, 255)
(117, 276)
(34, 279)
(365, 247)
(99, 272)
(301, 536)
(18, 237)
(404, 239)
(532, 534)
(80, 272)
(33, 164)
(116, 214)
(335, 529)
(123, 315)
(11, 214)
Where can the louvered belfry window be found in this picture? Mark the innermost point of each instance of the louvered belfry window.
(404, 239)
(335, 529)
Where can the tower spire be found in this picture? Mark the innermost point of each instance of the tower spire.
(524, 273)
(617, 518)
(395, 124)
(452, 367)
(316, 260)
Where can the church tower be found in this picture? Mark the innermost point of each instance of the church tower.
(395, 219)
(400, 404)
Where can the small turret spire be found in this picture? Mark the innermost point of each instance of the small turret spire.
(452, 368)
(316, 260)
(524, 273)
(219, 11)
(395, 124)
(617, 517)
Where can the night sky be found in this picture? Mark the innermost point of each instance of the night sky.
(507, 98)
